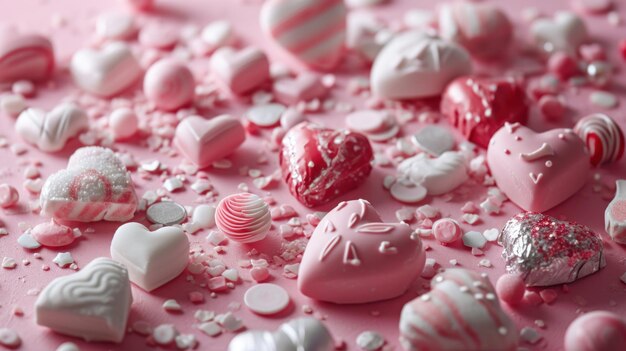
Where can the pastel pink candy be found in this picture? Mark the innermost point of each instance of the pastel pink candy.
(205, 141)
(52, 234)
(461, 312)
(8, 196)
(312, 31)
(354, 257)
(244, 217)
(305, 87)
(241, 71)
(50, 131)
(596, 331)
(537, 171)
(511, 288)
(25, 56)
(141, 5)
(447, 230)
(169, 84)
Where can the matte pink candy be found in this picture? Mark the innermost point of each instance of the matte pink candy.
(169, 84)
(25, 56)
(596, 331)
(52, 234)
(447, 230)
(241, 71)
(8, 196)
(510, 288)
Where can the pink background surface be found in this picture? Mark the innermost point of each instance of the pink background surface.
(345, 322)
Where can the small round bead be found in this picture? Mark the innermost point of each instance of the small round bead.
(510, 288)
(123, 123)
(552, 108)
(563, 65)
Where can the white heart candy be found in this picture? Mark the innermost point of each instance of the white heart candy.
(92, 304)
(306, 334)
(50, 131)
(415, 65)
(566, 32)
(438, 175)
(153, 258)
(106, 72)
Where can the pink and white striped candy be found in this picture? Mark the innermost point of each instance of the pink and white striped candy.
(244, 217)
(25, 56)
(596, 331)
(463, 299)
(313, 31)
(603, 137)
(95, 186)
(169, 84)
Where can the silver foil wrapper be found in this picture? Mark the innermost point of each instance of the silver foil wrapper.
(546, 251)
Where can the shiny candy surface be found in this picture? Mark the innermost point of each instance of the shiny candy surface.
(244, 217)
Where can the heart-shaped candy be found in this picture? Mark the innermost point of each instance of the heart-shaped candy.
(106, 72)
(461, 312)
(305, 87)
(50, 131)
(546, 251)
(92, 304)
(95, 186)
(25, 56)
(241, 71)
(438, 175)
(312, 31)
(414, 65)
(319, 164)
(205, 141)
(152, 258)
(302, 334)
(537, 171)
(479, 106)
(566, 32)
(353, 257)
(483, 29)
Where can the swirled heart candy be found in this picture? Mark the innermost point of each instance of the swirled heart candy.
(547, 251)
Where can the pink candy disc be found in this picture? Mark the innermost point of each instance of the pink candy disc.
(266, 299)
(169, 85)
(8, 196)
(243, 217)
(604, 138)
(52, 234)
(447, 230)
(511, 288)
(123, 123)
(596, 331)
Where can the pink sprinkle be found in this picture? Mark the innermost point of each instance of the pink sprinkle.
(531, 298)
(548, 295)
(196, 297)
(217, 284)
(259, 274)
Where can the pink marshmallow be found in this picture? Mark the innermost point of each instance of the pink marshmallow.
(52, 234)
(447, 231)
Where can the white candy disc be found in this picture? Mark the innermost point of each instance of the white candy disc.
(267, 115)
(408, 193)
(266, 298)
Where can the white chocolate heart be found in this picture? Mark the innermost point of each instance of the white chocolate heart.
(50, 131)
(153, 258)
(302, 334)
(92, 304)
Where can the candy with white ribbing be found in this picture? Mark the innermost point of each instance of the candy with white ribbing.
(603, 136)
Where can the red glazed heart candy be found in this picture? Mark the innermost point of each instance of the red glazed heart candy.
(479, 106)
(320, 164)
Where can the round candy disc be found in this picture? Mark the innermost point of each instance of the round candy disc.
(166, 213)
(266, 298)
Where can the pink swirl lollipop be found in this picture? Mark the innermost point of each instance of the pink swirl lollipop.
(169, 85)
(603, 137)
(244, 217)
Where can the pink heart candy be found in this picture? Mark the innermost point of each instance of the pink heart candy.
(50, 131)
(537, 171)
(205, 141)
(25, 56)
(241, 71)
(306, 87)
(353, 257)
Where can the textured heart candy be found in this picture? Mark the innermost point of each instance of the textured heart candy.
(241, 71)
(461, 312)
(354, 257)
(95, 186)
(50, 131)
(302, 334)
(415, 65)
(152, 258)
(205, 141)
(25, 56)
(312, 31)
(319, 164)
(92, 304)
(479, 106)
(537, 171)
(547, 251)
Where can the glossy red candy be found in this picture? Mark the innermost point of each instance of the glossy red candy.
(320, 164)
(479, 106)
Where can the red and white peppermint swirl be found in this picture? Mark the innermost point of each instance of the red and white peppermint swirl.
(244, 217)
(603, 137)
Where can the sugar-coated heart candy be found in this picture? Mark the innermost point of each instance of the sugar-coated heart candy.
(604, 138)
(615, 214)
(301, 334)
(537, 171)
(312, 31)
(105, 72)
(49, 131)
(169, 84)
(414, 65)
(319, 164)
(565, 32)
(479, 106)
(461, 312)
(438, 175)
(241, 71)
(92, 304)
(483, 29)
(25, 57)
(244, 217)
(546, 251)
(354, 257)
(152, 258)
(596, 331)
(204, 141)
(95, 186)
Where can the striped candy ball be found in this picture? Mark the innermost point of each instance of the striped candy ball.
(313, 31)
(604, 138)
